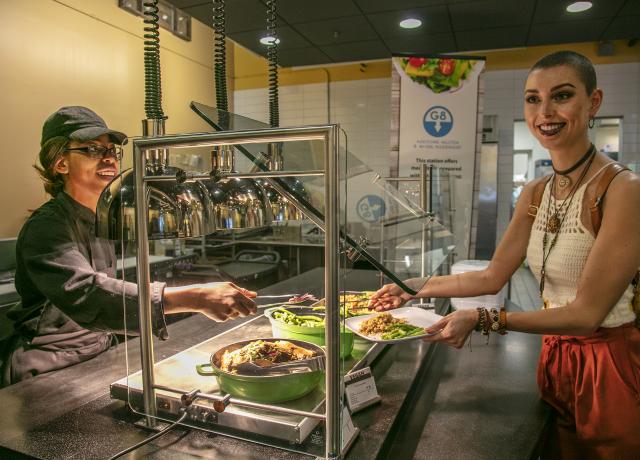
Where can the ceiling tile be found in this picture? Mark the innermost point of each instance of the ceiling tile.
(567, 32)
(425, 44)
(555, 11)
(302, 56)
(370, 6)
(496, 13)
(631, 7)
(434, 20)
(241, 15)
(487, 39)
(357, 51)
(289, 38)
(338, 30)
(296, 11)
(368, 29)
(623, 28)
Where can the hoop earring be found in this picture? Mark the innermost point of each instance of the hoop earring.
(592, 123)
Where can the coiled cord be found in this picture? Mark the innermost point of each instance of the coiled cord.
(272, 57)
(220, 54)
(152, 79)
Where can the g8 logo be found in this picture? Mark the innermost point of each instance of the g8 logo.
(437, 121)
(370, 208)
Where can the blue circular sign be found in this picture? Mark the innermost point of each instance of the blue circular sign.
(370, 208)
(438, 121)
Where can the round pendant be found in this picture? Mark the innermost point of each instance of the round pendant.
(564, 182)
(553, 224)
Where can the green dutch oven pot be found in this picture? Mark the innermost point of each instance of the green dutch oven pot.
(308, 334)
(264, 389)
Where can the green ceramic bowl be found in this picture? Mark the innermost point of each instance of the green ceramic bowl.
(308, 334)
(264, 389)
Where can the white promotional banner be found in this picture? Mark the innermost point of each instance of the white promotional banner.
(438, 126)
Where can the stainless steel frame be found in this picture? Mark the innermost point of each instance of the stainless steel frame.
(425, 203)
(425, 183)
(327, 133)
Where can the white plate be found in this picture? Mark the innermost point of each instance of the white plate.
(414, 316)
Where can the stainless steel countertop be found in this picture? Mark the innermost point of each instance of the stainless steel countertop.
(446, 402)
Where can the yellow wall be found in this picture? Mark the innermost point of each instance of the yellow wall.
(83, 52)
(251, 69)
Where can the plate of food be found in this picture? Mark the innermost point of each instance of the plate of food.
(353, 303)
(393, 326)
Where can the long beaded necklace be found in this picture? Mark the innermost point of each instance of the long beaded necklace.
(554, 222)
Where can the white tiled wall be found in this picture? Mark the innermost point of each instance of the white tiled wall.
(362, 109)
(504, 97)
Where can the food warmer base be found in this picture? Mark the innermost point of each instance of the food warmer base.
(295, 432)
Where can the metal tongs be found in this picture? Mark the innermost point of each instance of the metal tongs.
(316, 363)
(292, 299)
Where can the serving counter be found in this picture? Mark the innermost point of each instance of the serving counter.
(435, 401)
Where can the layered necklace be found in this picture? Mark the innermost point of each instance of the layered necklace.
(555, 218)
(564, 180)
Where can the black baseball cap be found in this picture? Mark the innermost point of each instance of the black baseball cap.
(78, 124)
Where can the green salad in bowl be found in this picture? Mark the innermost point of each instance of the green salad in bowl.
(439, 74)
(305, 323)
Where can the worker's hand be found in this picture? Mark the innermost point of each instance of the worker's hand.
(454, 329)
(388, 297)
(218, 301)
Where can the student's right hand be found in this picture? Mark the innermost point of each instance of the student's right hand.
(218, 301)
(388, 297)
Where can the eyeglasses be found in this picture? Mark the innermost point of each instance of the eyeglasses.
(99, 152)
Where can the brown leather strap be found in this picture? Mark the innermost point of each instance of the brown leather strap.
(611, 171)
(538, 191)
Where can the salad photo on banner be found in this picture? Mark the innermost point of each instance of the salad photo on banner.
(436, 104)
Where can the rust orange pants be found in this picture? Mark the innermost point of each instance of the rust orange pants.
(593, 383)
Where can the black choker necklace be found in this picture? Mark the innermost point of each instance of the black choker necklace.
(584, 158)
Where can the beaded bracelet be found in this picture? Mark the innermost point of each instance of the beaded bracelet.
(480, 325)
(498, 320)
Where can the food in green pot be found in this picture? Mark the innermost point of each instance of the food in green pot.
(308, 327)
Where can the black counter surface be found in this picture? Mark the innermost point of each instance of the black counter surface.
(437, 402)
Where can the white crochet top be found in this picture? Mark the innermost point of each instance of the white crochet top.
(569, 256)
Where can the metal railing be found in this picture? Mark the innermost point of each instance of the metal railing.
(326, 133)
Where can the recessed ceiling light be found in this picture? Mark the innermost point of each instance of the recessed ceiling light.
(269, 40)
(410, 23)
(578, 7)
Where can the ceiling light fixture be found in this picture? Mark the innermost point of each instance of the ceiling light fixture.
(579, 7)
(410, 23)
(269, 41)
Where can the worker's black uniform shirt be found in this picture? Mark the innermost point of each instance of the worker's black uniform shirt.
(65, 276)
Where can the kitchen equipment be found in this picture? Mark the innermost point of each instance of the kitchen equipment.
(308, 334)
(265, 389)
(174, 210)
(238, 204)
(179, 371)
(282, 209)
